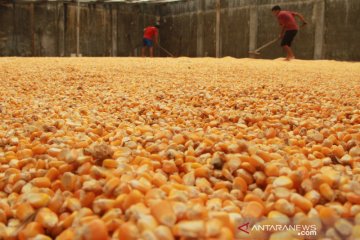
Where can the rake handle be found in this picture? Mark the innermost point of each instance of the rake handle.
(266, 44)
(169, 53)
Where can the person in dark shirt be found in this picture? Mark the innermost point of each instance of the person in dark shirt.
(289, 28)
(151, 35)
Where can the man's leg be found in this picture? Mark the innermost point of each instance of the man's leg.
(151, 49)
(289, 52)
(286, 43)
(143, 51)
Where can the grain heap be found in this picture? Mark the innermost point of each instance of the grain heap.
(177, 148)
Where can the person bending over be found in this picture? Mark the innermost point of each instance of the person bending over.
(151, 35)
(289, 28)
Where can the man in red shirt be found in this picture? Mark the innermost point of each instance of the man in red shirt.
(151, 35)
(289, 28)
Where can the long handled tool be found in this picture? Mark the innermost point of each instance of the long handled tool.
(257, 51)
(167, 52)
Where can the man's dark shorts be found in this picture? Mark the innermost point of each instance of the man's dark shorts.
(147, 42)
(288, 38)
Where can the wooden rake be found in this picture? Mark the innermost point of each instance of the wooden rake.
(257, 51)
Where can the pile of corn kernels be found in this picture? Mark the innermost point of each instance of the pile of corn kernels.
(164, 149)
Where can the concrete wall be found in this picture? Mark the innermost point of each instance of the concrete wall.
(342, 36)
(49, 28)
(189, 28)
(16, 37)
(333, 31)
(194, 28)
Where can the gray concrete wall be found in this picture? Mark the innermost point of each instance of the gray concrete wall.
(49, 28)
(342, 33)
(47, 35)
(333, 31)
(188, 28)
(14, 34)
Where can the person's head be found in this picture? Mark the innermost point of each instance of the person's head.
(275, 10)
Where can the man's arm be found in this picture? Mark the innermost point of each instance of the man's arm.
(301, 17)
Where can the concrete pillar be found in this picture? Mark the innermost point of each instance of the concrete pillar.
(60, 23)
(14, 39)
(200, 29)
(253, 27)
(32, 29)
(217, 29)
(114, 30)
(78, 28)
(319, 19)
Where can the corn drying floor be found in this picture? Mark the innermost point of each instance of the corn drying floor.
(132, 148)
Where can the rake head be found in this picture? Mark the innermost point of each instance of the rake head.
(254, 52)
